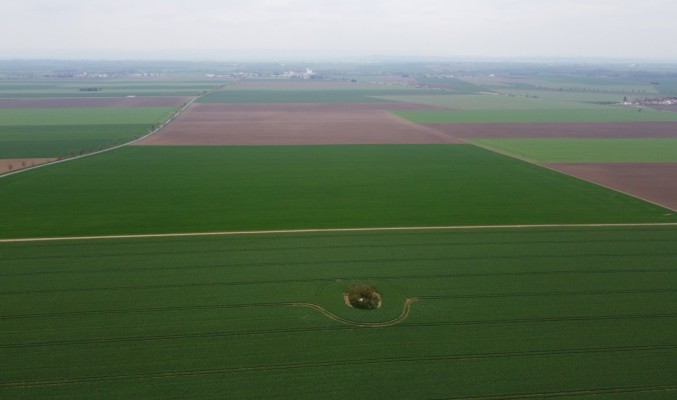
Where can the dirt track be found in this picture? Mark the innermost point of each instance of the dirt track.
(656, 182)
(327, 230)
(94, 102)
(222, 124)
(405, 313)
(561, 130)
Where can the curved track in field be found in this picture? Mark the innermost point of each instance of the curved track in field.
(405, 313)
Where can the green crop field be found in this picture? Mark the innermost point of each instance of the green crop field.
(488, 102)
(566, 96)
(510, 297)
(452, 84)
(502, 313)
(54, 140)
(587, 150)
(54, 132)
(197, 189)
(587, 114)
(597, 84)
(107, 88)
(84, 116)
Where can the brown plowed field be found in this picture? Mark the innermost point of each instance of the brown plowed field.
(19, 163)
(95, 102)
(561, 130)
(219, 124)
(312, 107)
(656, 182)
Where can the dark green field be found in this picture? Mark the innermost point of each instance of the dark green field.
(510, 313)
(51, 141)
(58, 132)
(199, 189)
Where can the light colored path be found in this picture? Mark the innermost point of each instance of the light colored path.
(329, 230)
(394, 321)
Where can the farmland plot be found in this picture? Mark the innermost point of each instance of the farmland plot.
(31, 136)
(296, 124)
(167, 189)
(505, 313)
(646, 168)
(557, 311)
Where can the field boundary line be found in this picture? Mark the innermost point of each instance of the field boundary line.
(330, 230)
(545, 165)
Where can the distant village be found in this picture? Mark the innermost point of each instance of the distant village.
(307, 74)
(101, 75)
(651, 101)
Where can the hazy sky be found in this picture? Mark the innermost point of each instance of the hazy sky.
(626, 29)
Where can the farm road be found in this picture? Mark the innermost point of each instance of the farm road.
(329, 230)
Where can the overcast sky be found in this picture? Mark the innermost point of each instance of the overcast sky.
(627, 29)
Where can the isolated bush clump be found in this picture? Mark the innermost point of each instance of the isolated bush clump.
(363, 296)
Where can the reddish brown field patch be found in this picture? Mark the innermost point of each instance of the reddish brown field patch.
(561, 130)
(311, 107)
(95, 102)
(13, 164)
(649, 181)
(219, 124)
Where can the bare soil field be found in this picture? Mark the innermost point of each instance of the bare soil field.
(220, 124)
(650, 181)
(96, 102)
(19, 163)
(312, 107)
(561, 130)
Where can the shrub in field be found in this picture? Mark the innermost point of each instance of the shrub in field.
(363, 296)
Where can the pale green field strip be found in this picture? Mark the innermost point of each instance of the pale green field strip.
(109, 88)
(543, 312)
(60, 94)
(590, 114)
(106, 84)
(84, 116)
(598, 84)
(587, 150)
(489, 102)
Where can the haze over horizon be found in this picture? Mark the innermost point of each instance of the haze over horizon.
(259, 29)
